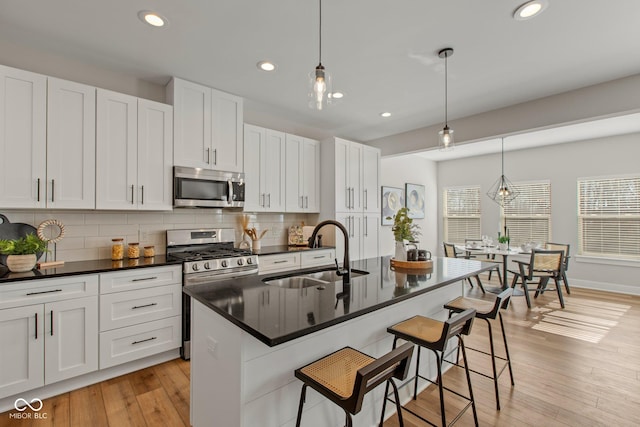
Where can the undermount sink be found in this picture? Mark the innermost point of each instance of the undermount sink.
(317, 279)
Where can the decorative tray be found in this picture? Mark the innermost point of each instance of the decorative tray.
(412, 265)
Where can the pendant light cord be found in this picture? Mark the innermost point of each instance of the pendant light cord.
(446, 84)
(502, 157)
(320, 35)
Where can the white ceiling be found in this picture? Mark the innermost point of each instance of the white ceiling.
(382, 54)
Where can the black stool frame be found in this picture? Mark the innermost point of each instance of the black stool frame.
(455, 326)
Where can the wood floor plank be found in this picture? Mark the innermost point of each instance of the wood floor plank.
(158, 409)
(144, 380)
(87, 407)
(120, 403)
(176, 384)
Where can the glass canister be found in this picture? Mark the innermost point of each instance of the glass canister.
(117, 249)
(133, 251)
(149, 251)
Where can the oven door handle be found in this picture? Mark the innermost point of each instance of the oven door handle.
(230, 196)
(207, 278)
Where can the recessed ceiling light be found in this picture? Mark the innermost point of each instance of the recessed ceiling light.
(266, 66)
(152, 18)
(336, 95)
(530, 9)
(385, 114)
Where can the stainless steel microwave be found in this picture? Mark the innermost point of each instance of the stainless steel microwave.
(203, 188)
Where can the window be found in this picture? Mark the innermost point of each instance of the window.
(528, 216)
(461, 214)
(609, 217)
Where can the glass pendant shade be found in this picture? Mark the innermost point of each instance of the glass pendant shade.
(320, 88)
(445, 139)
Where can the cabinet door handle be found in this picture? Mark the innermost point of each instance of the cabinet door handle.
(141, 341)
(215, 156)
(366, 202)
(132, 190)
(144, 278)
(38, 190)
(366, 227)
(302, 201)
(44, 292)
(280, 261)
(348, 198)
(269, 198)
(208, 156)
(135, 307)
(51, 322)
(306, 204)
(353, 198)
(53, 190)
(142, 195)
(36, 325)
(319, 257)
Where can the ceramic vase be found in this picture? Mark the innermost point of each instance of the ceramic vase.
(401, 251)
(21, 263)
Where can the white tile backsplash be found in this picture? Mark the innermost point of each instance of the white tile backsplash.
(88, 234)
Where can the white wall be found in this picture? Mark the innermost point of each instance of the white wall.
(396, 171)
(562, 164)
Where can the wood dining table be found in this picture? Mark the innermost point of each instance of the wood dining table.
(490, 251)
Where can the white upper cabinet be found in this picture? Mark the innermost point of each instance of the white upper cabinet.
(71, 145)
(207, 127)
(155, 155)
(23, 126)
(370, 180)
(302, 174)
(264, 169)
(348, 179)
(134, 142)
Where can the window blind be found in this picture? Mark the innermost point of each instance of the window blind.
(528, 217)
(609, 217)
(461, 214)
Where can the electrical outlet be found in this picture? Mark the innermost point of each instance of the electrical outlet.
(212, 346)
(143, 236)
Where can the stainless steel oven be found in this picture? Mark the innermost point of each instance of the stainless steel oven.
(203, 188)
(208, 256)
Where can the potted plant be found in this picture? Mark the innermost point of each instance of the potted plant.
(22, 252)
(503, 242)
(404, 230)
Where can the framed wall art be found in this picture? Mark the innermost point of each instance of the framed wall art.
(415, 200)
(392, 201)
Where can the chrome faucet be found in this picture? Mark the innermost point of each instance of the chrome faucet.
(345, 272)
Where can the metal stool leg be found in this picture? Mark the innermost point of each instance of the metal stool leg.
(348, 420)
(506, 348)
(415, 385)
(398, 406)
(493, 365)
(466, 370)
(303, 394)
(439, 359)
(559, 290)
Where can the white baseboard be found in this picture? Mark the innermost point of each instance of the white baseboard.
(603, 286)
(65, 386)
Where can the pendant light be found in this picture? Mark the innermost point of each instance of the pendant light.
(503, 191)
(445, 136)
(320, 79)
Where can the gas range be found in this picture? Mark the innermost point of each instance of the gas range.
(209, 251)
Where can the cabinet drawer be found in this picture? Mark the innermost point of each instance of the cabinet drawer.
(140, 278)
(319, 257)
(122, 309)
(280, 262)
(135, 342)
(47, 290)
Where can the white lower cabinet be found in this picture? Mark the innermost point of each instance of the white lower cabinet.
(140, 313)
(48, 332)
(295, 260)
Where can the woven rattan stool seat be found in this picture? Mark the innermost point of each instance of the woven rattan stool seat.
(463, 303)
(337, 372)
(422, 328)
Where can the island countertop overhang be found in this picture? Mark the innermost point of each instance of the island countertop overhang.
(275, 315)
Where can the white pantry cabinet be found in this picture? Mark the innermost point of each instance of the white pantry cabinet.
(207, 127)
(134, 142)
(350, 194)
(23, 125)
(264, 169)
(302, 174)
(49, 330)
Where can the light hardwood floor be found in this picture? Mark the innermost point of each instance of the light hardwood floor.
(574, 367)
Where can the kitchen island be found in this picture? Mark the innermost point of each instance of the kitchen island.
(248, 337)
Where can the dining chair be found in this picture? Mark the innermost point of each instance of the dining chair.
(488, 258)
(450, 251)
(543, 265)
(565, 248)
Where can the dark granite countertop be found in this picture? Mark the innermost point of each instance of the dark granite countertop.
(281, 249)
(275, 315)
(84, 267)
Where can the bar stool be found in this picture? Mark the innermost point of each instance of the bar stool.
(488, 310)
(435, 335)
(347, 375)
